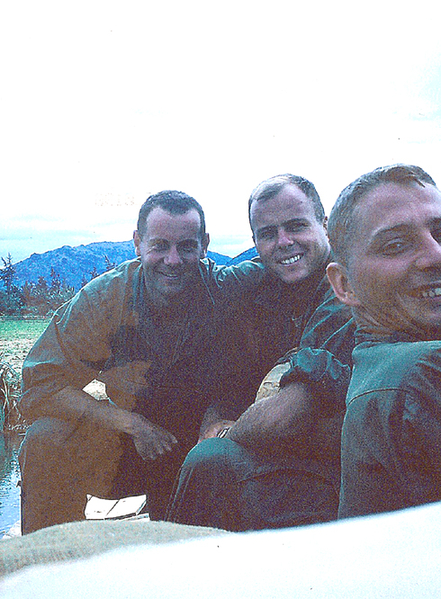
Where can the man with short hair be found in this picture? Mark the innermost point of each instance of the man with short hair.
(278, 464)
(145, 329)
(288, 224)
(385, 230)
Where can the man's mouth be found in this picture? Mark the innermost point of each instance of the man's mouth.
(170, 275)
(291, 260)
(431, 292)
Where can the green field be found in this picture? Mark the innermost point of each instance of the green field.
(17, 336)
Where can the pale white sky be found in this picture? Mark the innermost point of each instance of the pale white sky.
(103, 103)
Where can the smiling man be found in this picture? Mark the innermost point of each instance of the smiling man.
(169, 251)
(288, 224)
(278, 464)
(145, 329)
(289, 230)
(385, 230)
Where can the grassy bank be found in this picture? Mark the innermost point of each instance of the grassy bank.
(17, 336)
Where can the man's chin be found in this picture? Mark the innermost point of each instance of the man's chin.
(293, 277)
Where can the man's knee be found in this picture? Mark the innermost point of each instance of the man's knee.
(44, 436)
(212, 452)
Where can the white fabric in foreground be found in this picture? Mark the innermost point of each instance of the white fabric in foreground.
(395, 555)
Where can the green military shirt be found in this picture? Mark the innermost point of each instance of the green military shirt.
(391, 438)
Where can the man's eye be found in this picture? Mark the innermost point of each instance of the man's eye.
(188, 248)
(393, 247)
(294, 227)
(266, 234)
(159, 246)
(437, 235)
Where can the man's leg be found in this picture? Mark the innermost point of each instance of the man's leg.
(204, 492)
(154, 478)
(223, 485)
(60, 463)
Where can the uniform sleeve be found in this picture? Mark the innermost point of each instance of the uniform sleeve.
(419, 445)
(324, 357)
(228, 284)
(71, 351)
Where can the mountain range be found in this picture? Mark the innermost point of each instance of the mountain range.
(76, 264)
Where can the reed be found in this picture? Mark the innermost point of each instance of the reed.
(9, 397)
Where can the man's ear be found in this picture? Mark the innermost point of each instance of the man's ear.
(137, 241)
(205, 243)
(340, 283)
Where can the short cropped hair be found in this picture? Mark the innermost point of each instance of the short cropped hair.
(172, 201)
(271, 187)
(342, 224)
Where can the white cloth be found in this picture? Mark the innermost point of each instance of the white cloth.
(396, 555)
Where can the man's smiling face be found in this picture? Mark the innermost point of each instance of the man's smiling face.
(291, 242)
(394, 268)
(170, 251)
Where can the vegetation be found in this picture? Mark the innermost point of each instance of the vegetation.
(17, 336)
(36, 299)
(24, 314)
(9, 397)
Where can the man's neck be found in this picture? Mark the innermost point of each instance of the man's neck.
(368, 325)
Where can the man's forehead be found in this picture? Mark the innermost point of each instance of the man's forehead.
(393, 205)
(289, 203)
(160, 222)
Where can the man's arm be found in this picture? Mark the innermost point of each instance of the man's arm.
(311, 398)
(150, 440)
(272, 424)
(212, 424)
(71, 353)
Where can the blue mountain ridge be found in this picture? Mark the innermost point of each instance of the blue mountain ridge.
(73, 264)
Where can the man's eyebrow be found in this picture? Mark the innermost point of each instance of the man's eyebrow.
(286, 223)
(402, 228)
(190, 240)
(157, 240)
(294, 221)
(384, 231)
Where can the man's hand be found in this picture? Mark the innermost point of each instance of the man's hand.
(281, 421)
(214, 429)
(151, 441)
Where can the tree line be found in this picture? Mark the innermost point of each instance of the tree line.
(37, 299)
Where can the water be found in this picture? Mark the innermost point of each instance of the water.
(9, 477)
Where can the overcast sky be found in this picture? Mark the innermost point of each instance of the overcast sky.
(103, 103)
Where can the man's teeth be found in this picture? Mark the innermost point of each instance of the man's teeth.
(432, 292)
(291, 260)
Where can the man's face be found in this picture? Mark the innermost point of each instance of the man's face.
(170, 251)
(394, 268)
(290, 241)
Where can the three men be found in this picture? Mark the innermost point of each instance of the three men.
(385, 231)
(279, 463)
(146, 329)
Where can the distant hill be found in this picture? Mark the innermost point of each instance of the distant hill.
(74, 263)
(246, 255)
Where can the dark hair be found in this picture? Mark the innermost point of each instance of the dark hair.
(341, 223)
(174, 202)
(271, 187)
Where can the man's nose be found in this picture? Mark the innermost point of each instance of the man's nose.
(173, 257)
(430, 254)
(283, 238)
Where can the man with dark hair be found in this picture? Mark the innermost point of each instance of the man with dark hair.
(145, 329)
(278, 464)
(173, 202)
(385, 230)
(288, 224)
(274, 185)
